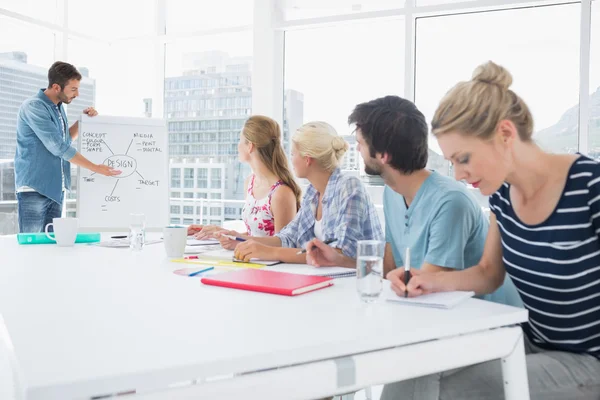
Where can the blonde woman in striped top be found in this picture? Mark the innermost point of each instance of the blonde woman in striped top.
(543, 231)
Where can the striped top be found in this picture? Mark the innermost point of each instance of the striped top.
(555, 265)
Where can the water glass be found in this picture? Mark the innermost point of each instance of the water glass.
(369, 269)
(137, 231)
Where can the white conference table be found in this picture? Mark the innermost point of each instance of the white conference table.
(89, 321)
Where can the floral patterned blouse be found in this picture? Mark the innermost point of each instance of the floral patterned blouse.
(256, 214)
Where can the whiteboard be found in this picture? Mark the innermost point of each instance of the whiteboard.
(139, 148)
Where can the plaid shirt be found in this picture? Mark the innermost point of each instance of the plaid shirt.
(348, 215)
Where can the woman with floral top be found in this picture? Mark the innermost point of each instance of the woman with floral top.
(272, 194)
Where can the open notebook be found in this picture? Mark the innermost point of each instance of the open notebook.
(223, 254)
(444, 300)
(304, 269)
(195, 242)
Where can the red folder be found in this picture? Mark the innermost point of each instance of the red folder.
(259, 280)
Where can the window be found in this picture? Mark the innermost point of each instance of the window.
(132, 76)
(175, 195)
(175, 209)
(201, 195)
(188, 210)
(215, 196)
(188, 195)
(534, 57)
(90, 17)
(215, 175)
(208, 90)
(594, 110)
(185, 16)
(188, 221)
(175, 220)
(203, 178)
(298, 10)
(175, 177)
(349, 76)
(28, 53)
(215, 211)
(39, 9)
(188, 178)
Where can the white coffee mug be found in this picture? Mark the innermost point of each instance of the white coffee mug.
(65, 231)
(175, 239)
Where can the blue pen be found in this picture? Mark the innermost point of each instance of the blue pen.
(201, 271)
(239, 239)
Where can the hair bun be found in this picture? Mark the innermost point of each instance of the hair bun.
(493, 74)
(338, 143)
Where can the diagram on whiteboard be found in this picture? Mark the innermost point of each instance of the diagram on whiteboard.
(138, 148)
(123, 162)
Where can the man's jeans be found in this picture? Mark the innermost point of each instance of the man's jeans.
(36, 211)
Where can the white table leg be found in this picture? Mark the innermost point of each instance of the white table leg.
(514, 373)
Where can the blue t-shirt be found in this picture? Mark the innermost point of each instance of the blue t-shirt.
(443, 226)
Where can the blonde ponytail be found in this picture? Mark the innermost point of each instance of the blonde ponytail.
(265, 134)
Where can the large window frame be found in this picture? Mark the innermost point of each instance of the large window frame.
(269, 28)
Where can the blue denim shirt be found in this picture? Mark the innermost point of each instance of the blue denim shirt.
(41, 149)
(348, 216)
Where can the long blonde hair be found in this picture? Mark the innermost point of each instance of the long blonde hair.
(265, 134)
(477, 106)
(320, 141)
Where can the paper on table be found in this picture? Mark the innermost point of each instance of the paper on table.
(305, 269)
(201, 249)
(444, 300)
(224, 254)
(195, 242)
(122, 243)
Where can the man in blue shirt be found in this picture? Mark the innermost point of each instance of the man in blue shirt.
(432, 214)
(44, 151)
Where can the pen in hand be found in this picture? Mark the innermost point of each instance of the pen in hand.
(406, 270)
(239, 239)
(328, 241)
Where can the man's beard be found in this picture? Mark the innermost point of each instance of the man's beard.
(64, 98)
(369, 170)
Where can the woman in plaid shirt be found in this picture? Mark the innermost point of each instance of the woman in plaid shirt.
(335, 206)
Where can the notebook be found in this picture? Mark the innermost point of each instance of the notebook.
(445, 300)
(224, 254)
(304, 269)
(268, 281)
(195, 242)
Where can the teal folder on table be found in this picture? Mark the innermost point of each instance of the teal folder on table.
(41, 238)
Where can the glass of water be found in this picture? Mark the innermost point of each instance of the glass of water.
(369, 269)
(137, 231)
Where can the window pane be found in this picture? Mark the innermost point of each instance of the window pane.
(534, 57)
(44, 10)
(208, 97)
(121, 86)
(198, 15)
(113, 19)
(24, 63)
(302, 9)
(594, 120)
(346, 65)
